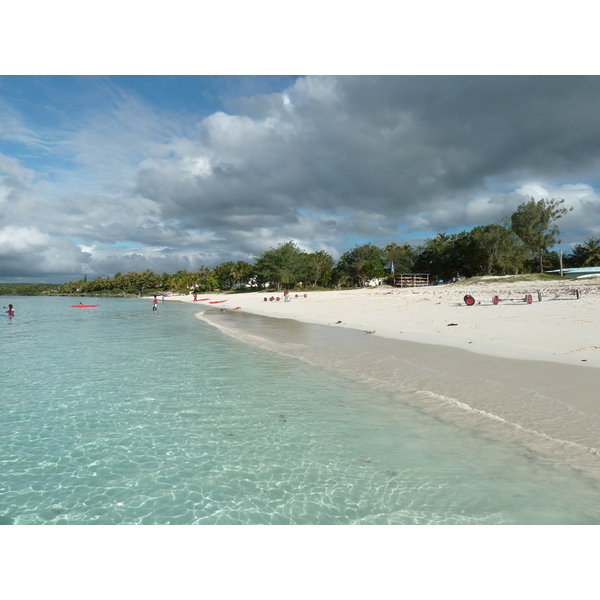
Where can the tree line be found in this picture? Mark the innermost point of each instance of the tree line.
(519, 243)
(26, 289)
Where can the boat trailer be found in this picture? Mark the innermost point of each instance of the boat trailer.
(560, 294)
(527, 298)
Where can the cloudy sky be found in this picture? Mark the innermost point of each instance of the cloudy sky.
(100, 174)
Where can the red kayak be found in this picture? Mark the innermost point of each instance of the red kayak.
(84, 305)
(217, 301)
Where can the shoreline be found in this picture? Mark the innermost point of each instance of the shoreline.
(537, 391)
(565, 330)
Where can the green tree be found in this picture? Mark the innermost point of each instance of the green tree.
(206, 280)
(103, 283)
(361, 264)
(318, 268)
(242, 273)
(576, 257)
(435, 257)
(534, 223)
(586, 254)
(183, 280)
(591, 252)
(71, 286)
(118, 281)
(135, 281)
(551, 260)
(130, 282)
(149, 280)
(403, 257)
(281, 266)
(28, 289)
(497, 249)
(226, 275)
(165, 281)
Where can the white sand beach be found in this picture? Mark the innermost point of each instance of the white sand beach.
(533, 369)
(559, 329)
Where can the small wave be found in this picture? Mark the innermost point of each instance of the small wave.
(466, 407)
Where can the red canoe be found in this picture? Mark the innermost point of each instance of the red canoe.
(217, 301)
(84, 305)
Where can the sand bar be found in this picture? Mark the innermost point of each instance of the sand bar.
(528, 372)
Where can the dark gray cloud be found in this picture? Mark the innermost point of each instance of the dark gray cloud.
(329, 162)
(401, 148)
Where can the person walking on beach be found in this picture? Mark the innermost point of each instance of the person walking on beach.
(155, 303)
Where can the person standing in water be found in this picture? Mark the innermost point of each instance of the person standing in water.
(155, 303)
(11, 311)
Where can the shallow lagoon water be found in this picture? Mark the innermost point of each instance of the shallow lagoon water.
(118, 415)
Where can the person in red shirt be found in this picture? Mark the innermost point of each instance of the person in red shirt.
(10, 311)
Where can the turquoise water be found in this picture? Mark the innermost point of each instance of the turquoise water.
(118, 415)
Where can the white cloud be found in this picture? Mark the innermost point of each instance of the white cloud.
(29, 252)
(22, 239)
(11, 167)
(533, 190)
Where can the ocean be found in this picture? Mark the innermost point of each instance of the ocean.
(121, 415)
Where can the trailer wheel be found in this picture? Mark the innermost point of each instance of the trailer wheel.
(528, 299)
(539, 296)
(495, 300)
(469, 300)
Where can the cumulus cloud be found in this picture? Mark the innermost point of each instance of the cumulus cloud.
(407, 148)
(328, 162)
(27, 252)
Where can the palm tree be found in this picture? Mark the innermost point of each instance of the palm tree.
(576, 257)
(241, 272)
(592, 252)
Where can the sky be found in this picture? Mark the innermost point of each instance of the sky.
(170, 139)
(100, 174)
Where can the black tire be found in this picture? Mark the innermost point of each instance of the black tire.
(528, 299)
(469, 300)
(496, 300)
(539, 296)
